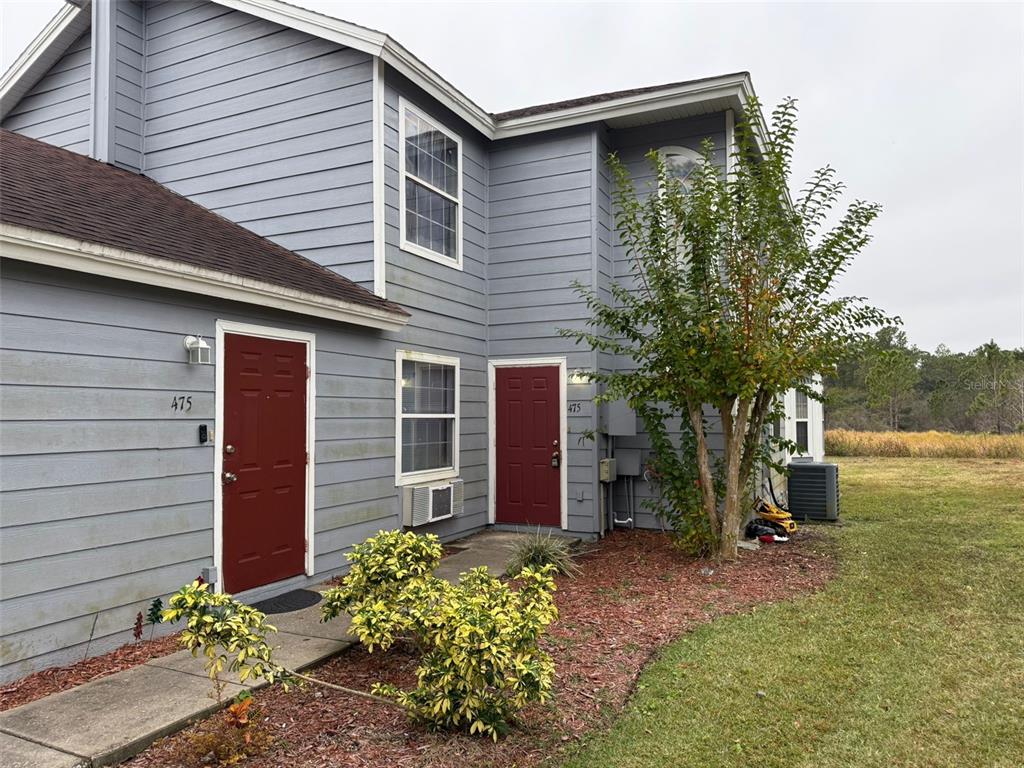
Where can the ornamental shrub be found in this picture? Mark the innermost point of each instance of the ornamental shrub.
(481, 660)
(381, 591)
(229, 633)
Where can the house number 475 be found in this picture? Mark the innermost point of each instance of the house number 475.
(181, 403)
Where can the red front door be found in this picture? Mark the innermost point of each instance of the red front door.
(528, 488)
(264, 472)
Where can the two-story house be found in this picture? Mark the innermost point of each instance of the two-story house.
(270, 284)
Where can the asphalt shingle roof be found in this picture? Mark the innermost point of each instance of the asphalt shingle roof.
(55, 190)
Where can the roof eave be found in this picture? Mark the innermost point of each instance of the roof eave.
(735, 87)
(70, 21)
(50, 249)
(42, 53)
(374, 43)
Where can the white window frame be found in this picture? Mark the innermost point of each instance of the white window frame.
(805, 420)
(415, 248)
(428, 475)
(672, 149)
(815, 425)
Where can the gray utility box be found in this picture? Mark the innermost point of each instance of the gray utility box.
(621, 419)
(813, 490)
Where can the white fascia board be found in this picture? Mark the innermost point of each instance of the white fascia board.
(396, 56)
(313, 23)
(737, 87)
(39, 56)
(374, 43)
(49, 45)
(39, 247)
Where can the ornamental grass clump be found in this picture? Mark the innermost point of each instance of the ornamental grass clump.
(481, 660)
(541, 549)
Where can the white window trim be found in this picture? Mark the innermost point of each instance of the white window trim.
(309, 339)
(673, 149)
(429, 475)
(492, 432)
(815, 425)
(797, 421)
(415, 248)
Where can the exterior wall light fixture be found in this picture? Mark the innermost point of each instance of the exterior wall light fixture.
(198, 350)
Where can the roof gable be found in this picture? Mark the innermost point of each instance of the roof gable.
(649, 103)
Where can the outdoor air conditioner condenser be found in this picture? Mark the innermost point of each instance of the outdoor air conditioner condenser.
(813, 490)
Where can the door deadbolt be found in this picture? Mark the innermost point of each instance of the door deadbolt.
(229, 449)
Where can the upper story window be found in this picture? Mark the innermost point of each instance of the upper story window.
(681, 163)
(427, 395)
(430, 169)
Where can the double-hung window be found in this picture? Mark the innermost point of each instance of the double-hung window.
(430, 165)
(427, 405)
(800, 420)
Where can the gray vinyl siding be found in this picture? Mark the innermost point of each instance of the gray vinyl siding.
(631, 146)
(542, 239)
(129, 83)
(56, 109)
(107, 495)
(448, 305)
(267, 126)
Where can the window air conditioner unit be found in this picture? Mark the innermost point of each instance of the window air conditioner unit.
(813, 490)
(422, 504)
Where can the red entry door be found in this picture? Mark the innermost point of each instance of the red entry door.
(527, 433)
(264, 472)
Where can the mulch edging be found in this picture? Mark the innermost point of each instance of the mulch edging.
(635, 594)
(56, 679)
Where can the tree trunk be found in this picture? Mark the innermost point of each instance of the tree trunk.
(735, 429)
(707, 482)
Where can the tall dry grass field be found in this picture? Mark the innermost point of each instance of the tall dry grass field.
(932, 445)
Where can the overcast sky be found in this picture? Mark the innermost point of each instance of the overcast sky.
(919, 106)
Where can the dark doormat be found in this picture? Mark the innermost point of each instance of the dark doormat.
(295, 600)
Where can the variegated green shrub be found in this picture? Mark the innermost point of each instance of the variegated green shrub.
(230, 634)
(482, 661)
(382, 589)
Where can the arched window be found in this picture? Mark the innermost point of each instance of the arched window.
(681, 162)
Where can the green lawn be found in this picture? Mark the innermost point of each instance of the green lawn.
(913, 656)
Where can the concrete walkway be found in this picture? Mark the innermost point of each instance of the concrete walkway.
(113, 718)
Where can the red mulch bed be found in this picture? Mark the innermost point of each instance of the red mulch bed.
(55, 679)
(636, 593)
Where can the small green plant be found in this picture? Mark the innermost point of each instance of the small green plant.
(154, 617)
(481, 660)
(226, 739)
(229, 633)
(541, 549)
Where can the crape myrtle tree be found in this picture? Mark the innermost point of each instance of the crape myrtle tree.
(730, 304)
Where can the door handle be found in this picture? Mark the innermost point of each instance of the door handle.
(229, 477)
(556, 459)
